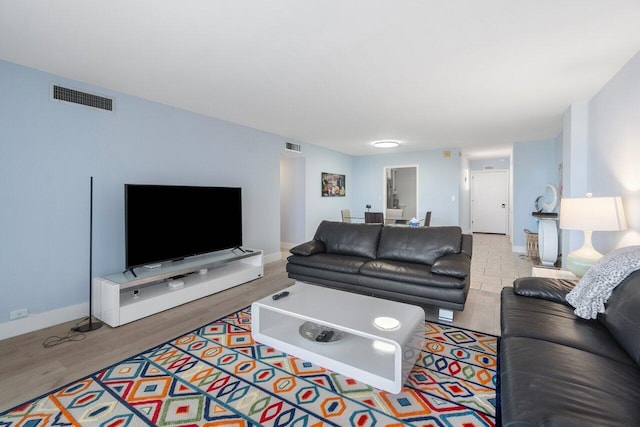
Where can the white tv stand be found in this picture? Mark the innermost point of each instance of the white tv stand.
(122, 297)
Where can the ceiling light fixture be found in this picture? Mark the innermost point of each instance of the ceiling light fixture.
(387, 143)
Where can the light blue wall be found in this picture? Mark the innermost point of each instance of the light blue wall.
(534, 166)
(601, 152)
(318, 208)
(464, 210)
(438, 183)
(574, 166)
(292, 200)
(49, 149)
(614, 151)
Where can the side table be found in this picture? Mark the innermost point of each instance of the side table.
(553, 273)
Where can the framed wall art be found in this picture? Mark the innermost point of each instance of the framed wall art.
(333, 185)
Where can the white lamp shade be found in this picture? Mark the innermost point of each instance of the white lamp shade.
(592, 214)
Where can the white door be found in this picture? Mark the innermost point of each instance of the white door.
(490, 201)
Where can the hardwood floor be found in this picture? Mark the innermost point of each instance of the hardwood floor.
(27, 369)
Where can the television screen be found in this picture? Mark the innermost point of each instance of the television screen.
(164, 222)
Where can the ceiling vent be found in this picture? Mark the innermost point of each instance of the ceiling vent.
(289, 146)
(83, 98)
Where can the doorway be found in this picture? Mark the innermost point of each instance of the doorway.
(490, 201)
(401, 190)
(292, 201)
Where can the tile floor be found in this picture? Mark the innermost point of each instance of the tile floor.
(493, 265)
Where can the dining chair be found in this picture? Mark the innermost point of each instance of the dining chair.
(427, 219)
(394, 216)
(373, 217)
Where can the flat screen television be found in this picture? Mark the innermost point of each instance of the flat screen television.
(168, 222)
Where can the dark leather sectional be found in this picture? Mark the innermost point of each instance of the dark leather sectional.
(559, 370)
(415, 265)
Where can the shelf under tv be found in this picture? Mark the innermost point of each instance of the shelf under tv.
(122, 298)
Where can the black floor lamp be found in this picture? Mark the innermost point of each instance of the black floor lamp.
(91, 326)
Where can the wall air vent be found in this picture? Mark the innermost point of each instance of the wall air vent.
(289, 146)
(65, 94)
(489, 167)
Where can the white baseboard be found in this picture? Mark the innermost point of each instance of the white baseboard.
(34, 322)
(519, 249)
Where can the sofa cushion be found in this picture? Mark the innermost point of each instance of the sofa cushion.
(622, 315)
(400, 271)
(318, 276)
(331, 262)
(349, 239)
(308, 248)
(546, 288)
(530, 317)
(419, 294)
(456, 265)
(541, 380)
(422, 245)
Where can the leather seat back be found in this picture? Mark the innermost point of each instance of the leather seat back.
(622, 315)
(423, 245)
(349, 239)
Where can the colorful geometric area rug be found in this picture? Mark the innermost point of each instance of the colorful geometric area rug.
(218, 376)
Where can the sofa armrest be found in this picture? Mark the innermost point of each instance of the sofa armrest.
(308, 248)
(455, 265)
(466, 245)
(544, 288)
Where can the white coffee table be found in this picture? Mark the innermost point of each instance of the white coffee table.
(378, 357)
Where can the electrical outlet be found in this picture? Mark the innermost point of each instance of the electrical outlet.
(17, 314)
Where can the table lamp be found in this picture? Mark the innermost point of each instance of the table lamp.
(590, 214)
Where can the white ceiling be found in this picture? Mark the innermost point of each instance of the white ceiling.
(340, 74)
